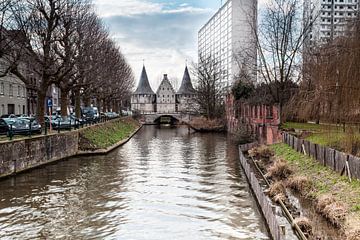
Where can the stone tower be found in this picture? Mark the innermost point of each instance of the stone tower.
(143, 99)
(185, 96)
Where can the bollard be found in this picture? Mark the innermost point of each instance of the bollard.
(11, 132)
(59, 126)
(45, 128)
(70, 124)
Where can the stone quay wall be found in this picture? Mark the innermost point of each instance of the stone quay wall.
(23, 154)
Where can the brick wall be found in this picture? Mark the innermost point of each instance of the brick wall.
(263, 119)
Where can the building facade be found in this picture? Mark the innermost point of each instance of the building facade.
(229, 39)
(186, 95)
(143, 99)
(330, 18)
(12, 95)
(166, 99)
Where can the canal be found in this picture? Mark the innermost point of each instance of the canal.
(163, 184)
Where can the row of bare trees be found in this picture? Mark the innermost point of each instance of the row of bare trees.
(331, 88)
(63, 42)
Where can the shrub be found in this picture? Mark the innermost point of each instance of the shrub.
(305, 225)
(277, 191)
(300, 184)
(279, 170)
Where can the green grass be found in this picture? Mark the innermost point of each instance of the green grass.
(324, 179)
(109, 133)
(331, 135)
(311, 126)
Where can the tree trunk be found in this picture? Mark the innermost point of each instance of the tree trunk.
(64, 101)
(77, 104)
(40, 110)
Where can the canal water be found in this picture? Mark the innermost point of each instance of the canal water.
(163, 184)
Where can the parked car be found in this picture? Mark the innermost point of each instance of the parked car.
(75, 120)
(111, 115)
(90, 114)
(23, 126)
(8, 116)
(4, 128)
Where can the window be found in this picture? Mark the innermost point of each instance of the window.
(2, 109)
(18, 93)
(11, 90)
(2, 90)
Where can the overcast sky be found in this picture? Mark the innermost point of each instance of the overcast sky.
(162, 32)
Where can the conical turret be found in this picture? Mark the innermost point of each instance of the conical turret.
(144, 86)
(186, 85)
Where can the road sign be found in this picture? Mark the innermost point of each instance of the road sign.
(49, 102)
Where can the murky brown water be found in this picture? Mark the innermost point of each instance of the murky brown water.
(162, 184)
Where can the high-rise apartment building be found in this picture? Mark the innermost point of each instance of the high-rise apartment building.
(330, 18)
(228, 38)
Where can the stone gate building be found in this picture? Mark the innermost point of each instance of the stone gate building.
(166, 99)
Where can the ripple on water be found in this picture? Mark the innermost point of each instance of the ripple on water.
(163, 184)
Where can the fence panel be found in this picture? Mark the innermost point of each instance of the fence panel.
(312, 150)
(354, 164)
(330, 158)
(340, 161)
(320, 155)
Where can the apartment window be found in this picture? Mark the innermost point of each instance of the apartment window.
(18, 92)
(2, 88)
(11, 90)
(2, 109)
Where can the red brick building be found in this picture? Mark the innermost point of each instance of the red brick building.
(263, 120)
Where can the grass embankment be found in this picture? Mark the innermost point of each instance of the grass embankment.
(330, 135)
(203, 124)
(107, 134)
(337, 199)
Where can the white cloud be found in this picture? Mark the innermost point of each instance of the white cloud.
(108, 8)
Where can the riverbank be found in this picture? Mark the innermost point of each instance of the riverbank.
(27, 153)
(202, 124)
(332, 196)
(108, 135)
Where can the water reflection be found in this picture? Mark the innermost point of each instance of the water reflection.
(163, 184)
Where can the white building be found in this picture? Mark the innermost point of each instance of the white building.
(143, 99)
(165, 97)
(228, 37)
(331, 18)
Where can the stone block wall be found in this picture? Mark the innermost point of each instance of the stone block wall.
(20, 155)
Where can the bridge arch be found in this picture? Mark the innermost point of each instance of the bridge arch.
(166, 119)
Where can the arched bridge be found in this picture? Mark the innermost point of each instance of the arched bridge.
(158, 118)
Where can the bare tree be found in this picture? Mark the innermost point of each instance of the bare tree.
(279, 39)
(210, 91)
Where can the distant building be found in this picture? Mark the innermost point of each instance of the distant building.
(12, 95)
(165, 97)
(186, 95)
(229, 39)
(143, 99)
(331, 18)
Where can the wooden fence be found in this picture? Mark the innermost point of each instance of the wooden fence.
(326, 156)
(263, 201)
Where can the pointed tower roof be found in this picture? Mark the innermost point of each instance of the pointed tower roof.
(186, 85)
(165, 82)
(144, 86)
